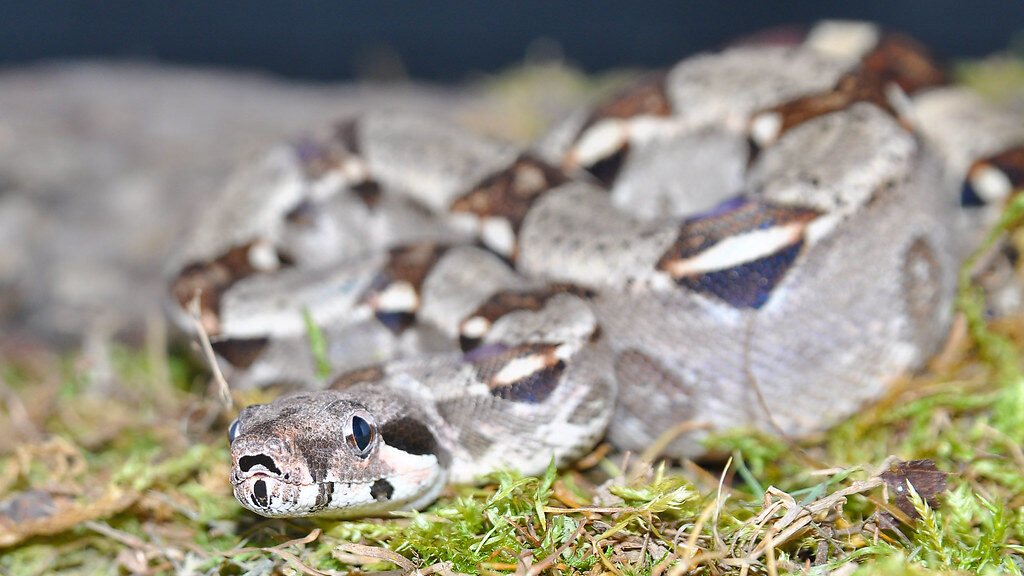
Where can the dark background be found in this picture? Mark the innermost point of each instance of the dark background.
(449, 39)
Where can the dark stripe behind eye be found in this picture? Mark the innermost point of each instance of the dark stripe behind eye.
(412, 436)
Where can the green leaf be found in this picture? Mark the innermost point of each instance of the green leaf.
(317, 345)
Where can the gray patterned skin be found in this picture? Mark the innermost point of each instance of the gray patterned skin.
(763, 236)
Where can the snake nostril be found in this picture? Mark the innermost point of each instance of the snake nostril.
(247, 463)
(259, 493)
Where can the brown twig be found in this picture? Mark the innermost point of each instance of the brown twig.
(377, 553)
(223, 390)
(550, 560)
(280, 551)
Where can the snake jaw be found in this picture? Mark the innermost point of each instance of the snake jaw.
(411, 481)
(267, 495)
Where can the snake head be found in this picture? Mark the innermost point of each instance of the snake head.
(326, 454)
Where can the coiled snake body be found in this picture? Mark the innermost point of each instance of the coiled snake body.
(763, 236)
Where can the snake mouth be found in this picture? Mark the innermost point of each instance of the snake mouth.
(241, 478)
(270, 495)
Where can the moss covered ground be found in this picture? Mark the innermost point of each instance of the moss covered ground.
(114, 460)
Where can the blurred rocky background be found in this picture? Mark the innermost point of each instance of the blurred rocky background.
(119, 120)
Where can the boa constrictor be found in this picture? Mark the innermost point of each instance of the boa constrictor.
(762, 236)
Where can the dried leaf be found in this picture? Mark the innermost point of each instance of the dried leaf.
(926, 479)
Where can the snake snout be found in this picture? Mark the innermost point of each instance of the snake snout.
(257, 463)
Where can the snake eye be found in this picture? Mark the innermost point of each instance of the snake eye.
(361, 433)
(233, 431)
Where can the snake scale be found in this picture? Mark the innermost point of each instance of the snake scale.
(763, 236)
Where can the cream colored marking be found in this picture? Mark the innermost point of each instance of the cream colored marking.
(414, 468)
(600, 141)
(643, 129)
(399, 296)
(528, 179)
(465, 222)
(990, 183)
(475, 327)
(565, 351)
(498, 235)
(519, 368)
(765, 128)
(821, 227)
(263, 257)
(843, 39)
(737, 250)
(355, 171)
(307, 496)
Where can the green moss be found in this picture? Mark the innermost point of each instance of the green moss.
(317, 345)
